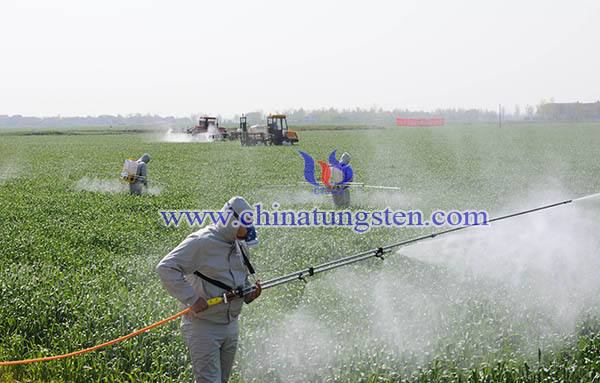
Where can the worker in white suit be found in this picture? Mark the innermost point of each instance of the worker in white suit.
(208, 263)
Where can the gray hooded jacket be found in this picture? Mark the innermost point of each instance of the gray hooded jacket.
(142, 170)
(214, 252)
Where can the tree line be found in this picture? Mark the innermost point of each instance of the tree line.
(545, 111)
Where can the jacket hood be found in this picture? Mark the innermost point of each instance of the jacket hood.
(145, 158)
(235, 206)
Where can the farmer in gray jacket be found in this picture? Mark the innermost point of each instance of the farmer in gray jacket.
(207, 264)
(141, 177)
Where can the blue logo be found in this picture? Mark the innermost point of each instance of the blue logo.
(309, 170)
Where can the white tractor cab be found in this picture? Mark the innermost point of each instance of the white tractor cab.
(258, 129)
(276, 132)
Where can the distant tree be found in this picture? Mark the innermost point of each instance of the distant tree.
(530, 112)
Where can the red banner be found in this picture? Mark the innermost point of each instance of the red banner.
(419, 121)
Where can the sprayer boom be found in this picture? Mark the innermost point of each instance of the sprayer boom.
(380, 251)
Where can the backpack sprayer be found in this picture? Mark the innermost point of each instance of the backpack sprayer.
(302, 274)
(129, 171)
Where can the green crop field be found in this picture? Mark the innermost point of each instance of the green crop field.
(516, 302)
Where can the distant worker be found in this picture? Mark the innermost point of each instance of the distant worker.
(209, 263)
(136, 173)
(340, 193)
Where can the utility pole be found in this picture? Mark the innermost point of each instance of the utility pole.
(499, 115)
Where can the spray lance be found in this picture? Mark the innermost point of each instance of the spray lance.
(360, 184)
(353, 184)
(308, 272)
(363, 185)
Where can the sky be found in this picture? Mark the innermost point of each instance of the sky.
(180, 57)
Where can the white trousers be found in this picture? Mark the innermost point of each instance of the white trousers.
(212, 348)
(342, 200)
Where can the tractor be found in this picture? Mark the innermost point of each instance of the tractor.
(252, 136)
(210, 126)
(279, 133)
(276, 132)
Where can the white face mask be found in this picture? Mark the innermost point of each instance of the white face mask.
(250, 240)
(251, 237)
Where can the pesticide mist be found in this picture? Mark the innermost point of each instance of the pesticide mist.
(173, 135)
(516, 286)
(98, 185)
(8, 171)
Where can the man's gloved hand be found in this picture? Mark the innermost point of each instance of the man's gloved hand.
(254, 294)
(200, 305)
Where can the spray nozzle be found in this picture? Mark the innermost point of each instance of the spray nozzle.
(589, 198)
(379, 253)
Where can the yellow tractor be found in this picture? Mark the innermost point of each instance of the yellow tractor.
(279, 133)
